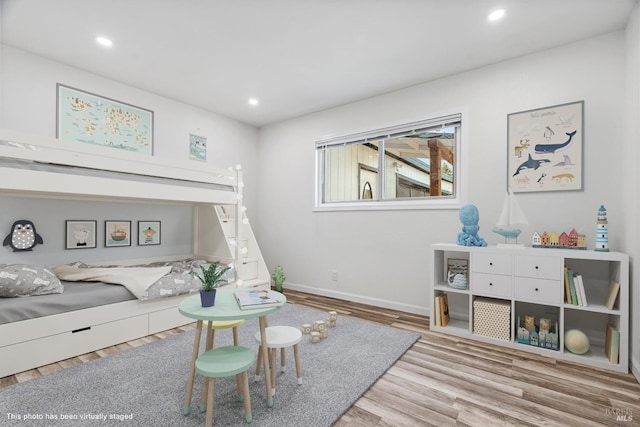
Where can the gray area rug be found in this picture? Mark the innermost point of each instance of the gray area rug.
(145, 386)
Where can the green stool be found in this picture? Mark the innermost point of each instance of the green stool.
(225, 362)
(211, 328)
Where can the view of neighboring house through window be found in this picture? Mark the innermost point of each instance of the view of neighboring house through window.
(415, 163)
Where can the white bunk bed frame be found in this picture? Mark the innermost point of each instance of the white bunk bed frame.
(40, 341)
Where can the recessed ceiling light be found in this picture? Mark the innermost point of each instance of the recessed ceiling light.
(253, 101)
(104, 41)
(496, 15)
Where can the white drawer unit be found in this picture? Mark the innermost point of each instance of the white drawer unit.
(539, 267)
(491, 263)
(538, 291)
(493, 285)
(531, 283)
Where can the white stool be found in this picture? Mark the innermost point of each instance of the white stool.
(280, 337)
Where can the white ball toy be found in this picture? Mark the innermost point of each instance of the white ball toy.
(576, 341)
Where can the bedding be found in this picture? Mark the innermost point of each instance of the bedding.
(135, 279)
(76, 296)
(79, 295)
(178, 282)
(146, 281)
(20, 280)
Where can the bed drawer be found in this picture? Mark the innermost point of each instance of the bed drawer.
(42, 327)
(169, 318)
(29, 354)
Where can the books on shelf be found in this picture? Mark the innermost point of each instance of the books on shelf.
(255, 299)
(612, 294)
(567, 288)
(581, 290)
(444, 309)
(572, 287)
(574, 290)
(441, 310)
(612, 344)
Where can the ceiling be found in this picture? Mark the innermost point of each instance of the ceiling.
(295, 56)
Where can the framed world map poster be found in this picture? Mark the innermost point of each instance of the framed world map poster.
(544, 150)
(93, 119)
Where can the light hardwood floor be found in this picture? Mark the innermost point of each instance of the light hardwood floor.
(443, 380)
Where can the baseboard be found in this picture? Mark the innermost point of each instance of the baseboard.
(408, 308)
(635, 369)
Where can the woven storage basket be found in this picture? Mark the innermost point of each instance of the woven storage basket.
(492, 318)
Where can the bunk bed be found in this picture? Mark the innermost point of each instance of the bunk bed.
(51, 168)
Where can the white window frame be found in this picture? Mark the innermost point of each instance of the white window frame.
(460, 170)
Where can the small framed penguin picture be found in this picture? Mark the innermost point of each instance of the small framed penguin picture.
(148, 233)
(80, 234)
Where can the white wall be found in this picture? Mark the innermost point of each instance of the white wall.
(631, 181)
(383, 257)
(28, 104)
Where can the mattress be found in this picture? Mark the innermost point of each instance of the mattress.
(76, 296)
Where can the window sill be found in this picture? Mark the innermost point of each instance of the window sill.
(390, 205)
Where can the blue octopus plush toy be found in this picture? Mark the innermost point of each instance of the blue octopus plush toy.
(469, 217)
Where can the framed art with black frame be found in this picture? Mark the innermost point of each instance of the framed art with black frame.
(149, 233)
(117, 233)
(80, 234)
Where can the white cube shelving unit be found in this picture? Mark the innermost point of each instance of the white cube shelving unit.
(532, 281)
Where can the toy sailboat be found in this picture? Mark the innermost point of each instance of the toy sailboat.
(510, 220)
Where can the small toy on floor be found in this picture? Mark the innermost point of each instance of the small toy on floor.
(331, 321)
(318, 329)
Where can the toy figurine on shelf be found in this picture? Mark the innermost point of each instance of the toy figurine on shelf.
(602, 235)
(469, 217)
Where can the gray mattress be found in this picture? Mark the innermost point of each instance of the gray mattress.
(76, 296)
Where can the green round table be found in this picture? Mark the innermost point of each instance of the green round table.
(226, 308)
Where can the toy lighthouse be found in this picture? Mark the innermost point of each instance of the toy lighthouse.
(602, 237)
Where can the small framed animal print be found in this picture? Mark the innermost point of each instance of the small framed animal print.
(148, 233)
(80, 234)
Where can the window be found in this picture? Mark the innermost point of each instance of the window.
(414, 165)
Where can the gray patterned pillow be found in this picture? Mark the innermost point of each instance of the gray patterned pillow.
(171, 285)
(179, 281)
(21, 280)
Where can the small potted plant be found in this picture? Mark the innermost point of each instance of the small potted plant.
(211, 279)
(278, 278)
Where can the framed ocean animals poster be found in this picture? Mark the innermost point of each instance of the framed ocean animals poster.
(545, 148)
(80, 234)
(94, 119)
(117, 233)
(148, 233)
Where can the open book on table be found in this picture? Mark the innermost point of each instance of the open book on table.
(254, 299)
